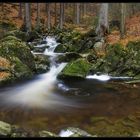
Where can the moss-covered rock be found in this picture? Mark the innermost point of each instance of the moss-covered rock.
(67, 57)
(19, 69)
(5, 129)
(14, 47)
(42, 63)
(17, 62)
(78, 69)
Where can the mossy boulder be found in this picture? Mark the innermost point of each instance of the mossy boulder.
(67, 57)
(17, 62)
(15, 47)
(77, 69)
(5, 129)
(66, 47)
(19, 69)
(42, 63)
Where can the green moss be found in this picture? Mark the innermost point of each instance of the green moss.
(17, 33)
(7, 26)
(9, 37)
(78, 68)
(16, 48)
(20, 70)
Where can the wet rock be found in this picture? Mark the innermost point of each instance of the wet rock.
(61, 48)
(78, 69)
(39, 49)
(32, 36)
(45, 133)
(5, 129)
(74, 132)
(67, 57)
(42, 63)
(92, 57)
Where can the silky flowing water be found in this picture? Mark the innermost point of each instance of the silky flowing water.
(46, 103)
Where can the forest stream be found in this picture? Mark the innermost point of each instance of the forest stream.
(93, 104)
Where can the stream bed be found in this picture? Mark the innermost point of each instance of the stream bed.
(46, 103)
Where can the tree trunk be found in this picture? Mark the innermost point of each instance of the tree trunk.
(77, 13)
(38, 15)
(102, 28)
(122, 20)
(61, 15)
(55, 13)
(64, 12)
(48, 16)
(27, 17)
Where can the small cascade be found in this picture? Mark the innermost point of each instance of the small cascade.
(39, 93)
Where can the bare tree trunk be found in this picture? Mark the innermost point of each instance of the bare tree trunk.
(102, 28)
(64, 12)
(55, 13)
(77, 13)
(123, 20)
(38, 14)
(27, 17)
(48, 16)
(61, 15)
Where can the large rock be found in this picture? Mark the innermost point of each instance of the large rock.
(67, 57)
(78, 69)
(42, 63)
(17, 62)
(5, 129)
(15, 47)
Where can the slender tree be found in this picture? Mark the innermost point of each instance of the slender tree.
(77, 12)
(48, 16)
(38, 15)
(55, 13)
(61, 15)
(27, 17)
(123, 20)
(103, 27)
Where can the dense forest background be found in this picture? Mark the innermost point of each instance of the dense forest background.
(80, 16)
